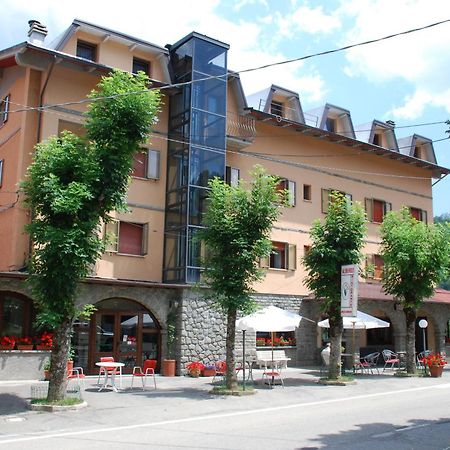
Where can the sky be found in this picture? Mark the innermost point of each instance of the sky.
(404, 79)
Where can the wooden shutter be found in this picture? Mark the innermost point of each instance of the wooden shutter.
(369, 208)
(292, 192)
(325, 200)
(387, 207)
(153, 164)
(423, 216)
(1, 171)
(144, 245)
(292, 257)
(112, 236)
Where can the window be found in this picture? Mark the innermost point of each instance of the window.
(326, 198)
(289, 186)
(4, 110)
(374, 267)
(280, 338)
(86, 50)
(419, 214)
(283, 256)
(1, 172)
(276, 108)
(377, 209)
(146, 164)
(231, 176)
(306, 249)
(307, 192)
(16, 315)
(330, 124)
(141, 65)
(126, 237)
(377, 139)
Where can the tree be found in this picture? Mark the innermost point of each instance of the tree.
(444, 219)
(336, 242)
(238, 222)
(71, 187)
(416, 258)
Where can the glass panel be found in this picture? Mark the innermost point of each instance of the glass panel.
(205, 165)
(149, 346)
(208, 130)
(147, 321)
(176, 216)
(181, 60)
(209, 95)
(175, 249)
(196, 249)
(209, 58)
(104, 341)
(80, 344)
(128, 333)
(13, 316)
(197, 205)
(177, 169)
(193, 275)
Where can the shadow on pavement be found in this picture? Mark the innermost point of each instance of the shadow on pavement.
(12, 404)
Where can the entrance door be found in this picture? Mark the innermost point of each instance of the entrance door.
(129, 336)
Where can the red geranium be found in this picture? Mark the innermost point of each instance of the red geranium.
(196, 365)
(46, 339)
(7, 340)
(25, 340)
(434, 359)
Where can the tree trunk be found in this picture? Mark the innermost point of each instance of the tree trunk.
(334, 370)
(58, 365)
(231, 380)
(410, 315)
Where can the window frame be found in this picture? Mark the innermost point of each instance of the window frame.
(4, 109)
(151, 157)
(291, 187)
(87, 45)
(113, 229)
(290, 257)
(307, 189)
(421, 212)
(325, 202)
(142, 62)
(377, 272)
(232, 175)
(369, 207)
(276, 108)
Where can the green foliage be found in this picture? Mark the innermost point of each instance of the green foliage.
(336, 242)
(416, 257)
(239, 221)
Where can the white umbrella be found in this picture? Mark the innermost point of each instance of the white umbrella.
(362, 321)
(269, 319)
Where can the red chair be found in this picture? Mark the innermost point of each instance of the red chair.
(221, 369)
(106, 370)
(78, 374)
(391, 358)
(147, 371)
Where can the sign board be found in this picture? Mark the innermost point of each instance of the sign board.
(349, 290)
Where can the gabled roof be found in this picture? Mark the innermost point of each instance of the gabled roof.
(318, 117)
(262, 101)
(234, 83)
(410, 144)
(106, 33)
(367, 131)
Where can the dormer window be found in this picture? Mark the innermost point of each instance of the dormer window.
(330, 124)
(86, 50)
(276, 108)
(377, 139)
(139, 65)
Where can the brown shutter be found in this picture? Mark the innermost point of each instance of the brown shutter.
(325, 200)
(369, 209)
(292, 257)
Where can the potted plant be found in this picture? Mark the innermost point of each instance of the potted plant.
(47, 369)
(169, 364)
(24, 343)
(209, 370)
(195, 368)
(7, 342)
(435, 363)
(44, 341)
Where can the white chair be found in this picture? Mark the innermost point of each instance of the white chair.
(368, 362)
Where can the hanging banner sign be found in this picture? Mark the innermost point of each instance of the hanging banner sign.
(349, 290)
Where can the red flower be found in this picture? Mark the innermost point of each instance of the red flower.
(196, 365)
(46, 339)
(25, 340)
(7, 340)
(434, 359)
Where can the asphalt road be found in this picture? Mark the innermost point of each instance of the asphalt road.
(378, 412)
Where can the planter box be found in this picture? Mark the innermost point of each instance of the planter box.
(24, 346)
(208, 372)
(22, 365)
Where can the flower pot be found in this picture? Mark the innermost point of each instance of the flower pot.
(7, 347)
(168, 367)
(195, 373)
(24, 346)
(436, 371)
(43, 347)
(69, 367)
(209, 372)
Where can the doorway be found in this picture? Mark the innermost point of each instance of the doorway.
(125, 330)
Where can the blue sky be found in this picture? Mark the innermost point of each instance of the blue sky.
(404, 79)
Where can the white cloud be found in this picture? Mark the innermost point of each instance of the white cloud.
(419, 58)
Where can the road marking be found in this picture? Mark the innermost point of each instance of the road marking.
(33, 437)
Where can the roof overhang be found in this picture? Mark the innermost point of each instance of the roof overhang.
(307, 130)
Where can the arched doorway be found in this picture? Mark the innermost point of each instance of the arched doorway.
(120, 328)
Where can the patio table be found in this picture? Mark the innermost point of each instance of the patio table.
(111, 365)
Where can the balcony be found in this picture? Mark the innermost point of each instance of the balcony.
(241, 131)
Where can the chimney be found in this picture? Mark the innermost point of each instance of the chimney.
(37, 32)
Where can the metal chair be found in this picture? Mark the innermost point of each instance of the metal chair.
(106, 370)
(368, 362)
(147, 371)
(77, 373)
(391, 358)
(421, 358)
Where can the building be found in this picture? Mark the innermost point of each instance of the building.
(207, 128)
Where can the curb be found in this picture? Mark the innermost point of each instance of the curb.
(58, 408)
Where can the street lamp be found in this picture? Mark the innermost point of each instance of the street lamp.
(423, 324)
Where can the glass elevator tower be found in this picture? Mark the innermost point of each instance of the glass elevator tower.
(196, 149)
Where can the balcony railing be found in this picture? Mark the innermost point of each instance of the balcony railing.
(241, 127)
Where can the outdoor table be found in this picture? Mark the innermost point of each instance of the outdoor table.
(111, 365)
